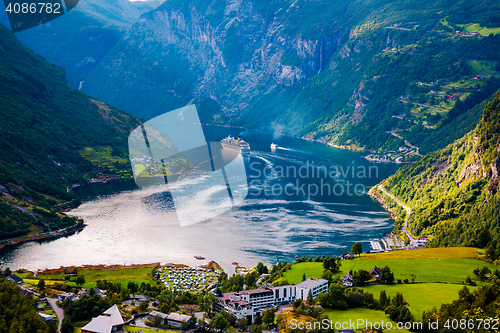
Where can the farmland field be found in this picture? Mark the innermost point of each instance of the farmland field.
(442, 265)
(367, 315)
(124, 275)
(420, 296)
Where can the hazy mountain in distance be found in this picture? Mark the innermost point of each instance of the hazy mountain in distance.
(78, 40)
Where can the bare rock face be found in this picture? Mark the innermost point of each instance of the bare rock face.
(495, 171)
(237, 56)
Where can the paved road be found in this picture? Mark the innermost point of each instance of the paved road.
(413, 242)
(59, 311)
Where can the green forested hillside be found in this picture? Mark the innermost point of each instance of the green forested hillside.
(44, 124)
(453, 192)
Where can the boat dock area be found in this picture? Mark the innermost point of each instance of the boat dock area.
(375, 246)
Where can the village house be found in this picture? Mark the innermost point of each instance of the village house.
(65, 296)
(110, 321)
(153, 314)
(47, 318)
(347, 280)
(375, 272)
(176, 319)
(139, 298)
(16, 279)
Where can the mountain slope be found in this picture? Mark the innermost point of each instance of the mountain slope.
(453, 192)
(78, 40)
(344, 72)
(44, 125)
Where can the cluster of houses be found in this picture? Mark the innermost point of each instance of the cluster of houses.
(348, 280)
(458, 32)
(187, 278)
(249, 303)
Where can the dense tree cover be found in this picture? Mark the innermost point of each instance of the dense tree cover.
(44, 125)
(453, 192)
(18, 312)
(357, 248)
(85, 307)
(332, 264)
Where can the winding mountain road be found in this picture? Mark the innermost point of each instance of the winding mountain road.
(413, 242)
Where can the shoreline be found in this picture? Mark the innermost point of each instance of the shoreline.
(41, 237)
(207, 265)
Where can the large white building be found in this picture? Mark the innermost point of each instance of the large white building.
(251, 302)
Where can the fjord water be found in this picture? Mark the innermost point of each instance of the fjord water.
(282, 216)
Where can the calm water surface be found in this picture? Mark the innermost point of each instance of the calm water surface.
(128, 225)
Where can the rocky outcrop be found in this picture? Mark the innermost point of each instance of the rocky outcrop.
(495, 171)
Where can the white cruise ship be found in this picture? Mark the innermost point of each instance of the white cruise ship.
(233, 143)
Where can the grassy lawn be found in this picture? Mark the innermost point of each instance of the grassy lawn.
(366, 315)
(467, 84)
(124, 275)
(102, 156)
(420, 296)
(311, 269)
(482, 66)
(434, 253)
(482, 30)
(447, 265)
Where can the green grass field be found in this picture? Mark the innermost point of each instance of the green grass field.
(124, 275)
(439, 273)
(102, 156)
(482, 66)
(451, 270)
(420, 296)
(365, 315)
(483, 31)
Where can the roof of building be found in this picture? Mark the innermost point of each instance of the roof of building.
(311, 283)
(142, 298)
(375, 270)
(178, 317)
(158, 313)
(46, 316)
(105, 323)
(348, 277)
(15, 278)
(67, 295)
(257, 292)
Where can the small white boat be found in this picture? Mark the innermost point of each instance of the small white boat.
(274, 146)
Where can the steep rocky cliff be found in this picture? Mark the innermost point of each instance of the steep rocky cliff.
(219, 56)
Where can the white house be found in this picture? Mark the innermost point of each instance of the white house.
(347, 280)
